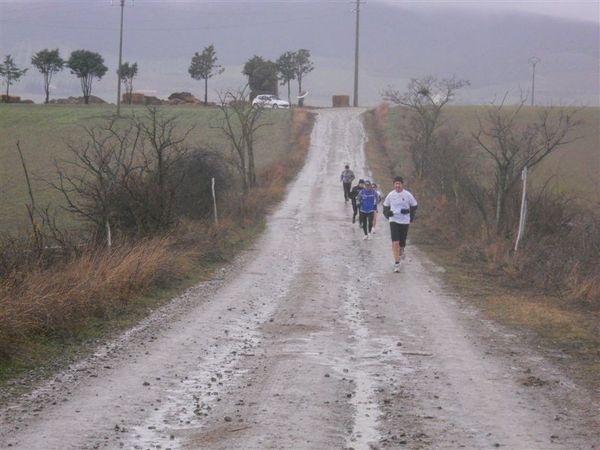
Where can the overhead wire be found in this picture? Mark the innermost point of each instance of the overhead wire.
(170, 29)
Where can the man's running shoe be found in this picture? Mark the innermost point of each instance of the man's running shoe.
(366, 237)
(397, 267)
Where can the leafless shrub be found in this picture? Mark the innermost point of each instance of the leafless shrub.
(193, 198)
(425, 98)
(562, 249)
(512, 144)
(239, 124)
(124, 176)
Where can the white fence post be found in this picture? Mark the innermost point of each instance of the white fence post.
(108, 234)
(214, 201)
(523, 215)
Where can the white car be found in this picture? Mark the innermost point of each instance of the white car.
(271, 101)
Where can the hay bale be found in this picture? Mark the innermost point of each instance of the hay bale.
(9, 99)
(183, 97)
(341, 101)
(136, 99)
(152, 100)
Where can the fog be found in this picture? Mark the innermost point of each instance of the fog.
(490, 47)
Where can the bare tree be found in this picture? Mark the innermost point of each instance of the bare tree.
(240, 123)
(425, 97)
(125, 175)
(512, 144)
(162, 149)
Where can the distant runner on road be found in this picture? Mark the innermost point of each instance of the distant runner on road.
(367, 201)
(347, 177)
(399, 207)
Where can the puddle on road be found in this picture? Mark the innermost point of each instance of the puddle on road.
(366, 410)
(369, 368)
(188, 400)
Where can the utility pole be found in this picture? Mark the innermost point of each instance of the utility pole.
(356, 44)
(533, 61)
(119, 66)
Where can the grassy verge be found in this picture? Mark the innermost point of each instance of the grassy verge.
(568, 326)
(45, 130)
(55, 315)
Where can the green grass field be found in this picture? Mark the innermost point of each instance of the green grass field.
(44, 131)
(575, 168)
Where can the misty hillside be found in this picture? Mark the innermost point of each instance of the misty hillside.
(397, 43)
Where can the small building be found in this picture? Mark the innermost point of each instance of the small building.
(341, 101)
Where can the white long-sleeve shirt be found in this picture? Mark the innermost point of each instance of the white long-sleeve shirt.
(398, 201)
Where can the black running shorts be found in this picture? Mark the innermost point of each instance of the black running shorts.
(399, 232)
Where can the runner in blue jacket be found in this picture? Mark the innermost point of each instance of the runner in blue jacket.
(367, 203)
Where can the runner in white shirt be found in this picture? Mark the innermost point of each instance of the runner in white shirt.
(399, 207)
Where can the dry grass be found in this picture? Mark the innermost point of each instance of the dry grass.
(93, 285)
(541, 314)
(100, 284)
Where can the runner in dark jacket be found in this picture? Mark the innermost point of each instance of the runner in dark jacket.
(352, 195)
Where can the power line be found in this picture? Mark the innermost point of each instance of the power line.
(178, 29)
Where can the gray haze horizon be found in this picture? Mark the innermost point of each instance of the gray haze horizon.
(487, 43)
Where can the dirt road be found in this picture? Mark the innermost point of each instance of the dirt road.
(310, 341)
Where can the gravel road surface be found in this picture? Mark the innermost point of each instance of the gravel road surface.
(309, 341)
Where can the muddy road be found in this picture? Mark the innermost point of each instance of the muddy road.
(308, 340)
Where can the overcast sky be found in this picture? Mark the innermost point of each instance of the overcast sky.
(588, 10)
(487, 42)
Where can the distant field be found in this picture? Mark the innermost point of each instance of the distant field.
(574, 167)
(44, 130)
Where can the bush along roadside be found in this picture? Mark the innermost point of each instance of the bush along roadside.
(551, 285)
(54, 297)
